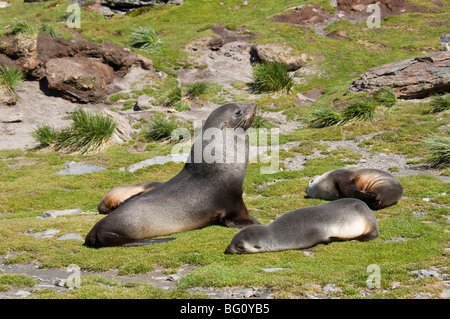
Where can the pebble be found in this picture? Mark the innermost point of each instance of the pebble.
(331, 288)
(56, 213)
(272, 269)
(70, 236)
(81, 169)
(44, 234)
(395, 240)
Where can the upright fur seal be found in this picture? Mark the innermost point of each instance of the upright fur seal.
(205, 192)
(121, 194)
(375, 187)
(343, 219)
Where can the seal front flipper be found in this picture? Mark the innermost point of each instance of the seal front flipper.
(110, 239)
(372, 199)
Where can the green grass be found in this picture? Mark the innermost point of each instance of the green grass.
(271, 77)
(160, 129)
(359, 110)
(11, 77)
(145, 38)
(88, 133)
(385, 97)
(440, 150)
(323, 117)
(440, 103)
(396, 129)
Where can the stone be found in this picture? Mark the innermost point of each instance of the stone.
(272, 269)
(444, 42)
(81, 79)
(395, 240)
(70, 236)
(280, 53)
(81, 169)
(411, 78)
(12, 118)
(143, 102)
(157, 160)
(45, 234)
(123, 132)
(4, 4)
(56, 213)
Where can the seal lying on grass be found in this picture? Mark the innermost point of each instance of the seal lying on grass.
(375, 187)
(205, 192)
(343, 219)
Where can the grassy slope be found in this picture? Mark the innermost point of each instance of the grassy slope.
(343, 264)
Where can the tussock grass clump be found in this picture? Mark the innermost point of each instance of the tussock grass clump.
(271, 77)
(440, 148)
(323, 117)
(196, 90)
(11, 78)
(48, 29)
(440, 103)
(20, 27)
(359, 110)
(386, 97)
(145, 38)
(160, 129)
(89, 132)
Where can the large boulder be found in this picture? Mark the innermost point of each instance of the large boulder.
(105, 62)
(411, 78)
(80, 79)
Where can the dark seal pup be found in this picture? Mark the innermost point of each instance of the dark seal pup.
(206, 191)
(375, 187)
(343, 219)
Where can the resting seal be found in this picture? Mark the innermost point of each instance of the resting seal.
(344, 219)
(205, 192)
(121, 194)
(375, 187)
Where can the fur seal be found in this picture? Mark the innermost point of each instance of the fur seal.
(203, 193)
(343, 219)
(121, 194)
(375, 187)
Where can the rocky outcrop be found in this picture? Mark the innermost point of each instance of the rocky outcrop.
(79, 70)
(127, 5)
(412, 78)
(280, 53)
(81, 79)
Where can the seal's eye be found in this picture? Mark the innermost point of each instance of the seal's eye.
(238, 113)
(311, 181)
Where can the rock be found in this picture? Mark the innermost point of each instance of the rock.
(70, 236)
(280, 53)
(81, 169)
(425, 273)
(4, 4)
(272, 269)
(80, 78)
(56, 213)
(142, 103)
(123, 132)
(331, 288)
(12, 118)
(411, 78)
(45, 234)
(444, 42)
(395, 240)
(128, 5)
(157, 160)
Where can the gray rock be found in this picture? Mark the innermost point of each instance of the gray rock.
(56, 213)
(45, 234)
(444, 42)
(395, 240)
(272, 269)
(411, 78)
(81, 169)
(157, 160)
(331, 288)
(12, 118)
(425, 273)
(70, 236)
